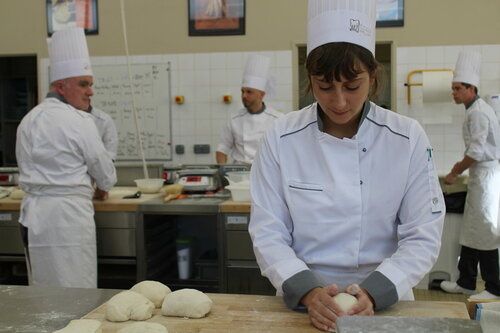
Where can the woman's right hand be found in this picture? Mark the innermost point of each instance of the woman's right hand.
(322, 310)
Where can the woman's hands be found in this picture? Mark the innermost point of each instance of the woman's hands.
(323, 311)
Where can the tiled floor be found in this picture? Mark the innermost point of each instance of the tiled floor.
(439, 295)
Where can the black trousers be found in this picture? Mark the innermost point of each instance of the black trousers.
(488, 263)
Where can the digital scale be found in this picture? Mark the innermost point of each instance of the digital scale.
(199, 180)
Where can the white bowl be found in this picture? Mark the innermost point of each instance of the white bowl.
(239, 193)
(235, 177)
(150, 185)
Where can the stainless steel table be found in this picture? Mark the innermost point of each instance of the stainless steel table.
(27, 309)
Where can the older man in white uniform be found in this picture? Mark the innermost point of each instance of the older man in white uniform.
(60, 155)
(242, 134)
(480, 233)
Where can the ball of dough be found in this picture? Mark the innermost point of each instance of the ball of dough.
(345, 301)
(153, 290)
(143, 328)
(129, 305)
(190, 303)
(82, 326)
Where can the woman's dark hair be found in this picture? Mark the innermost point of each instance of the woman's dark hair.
(340, 59)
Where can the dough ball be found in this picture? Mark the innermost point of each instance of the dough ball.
(345, 301)
(17, 194)
(190, 303)
(143, 328)
(152, 290)
(82, 326)
(129, 305)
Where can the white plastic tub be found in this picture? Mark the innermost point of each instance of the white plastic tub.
(240, 193)
(235, 177)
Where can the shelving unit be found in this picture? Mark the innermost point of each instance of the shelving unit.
(18, 95)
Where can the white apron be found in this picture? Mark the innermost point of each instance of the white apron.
(480, 228)
(61, 240)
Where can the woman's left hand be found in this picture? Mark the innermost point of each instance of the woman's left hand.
(365, 305)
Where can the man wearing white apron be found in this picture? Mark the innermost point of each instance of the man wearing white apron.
(480, 234)
(60, 155)
(242, 133)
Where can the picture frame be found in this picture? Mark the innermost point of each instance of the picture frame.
(216, 17)
(390, 13)
(62, 14)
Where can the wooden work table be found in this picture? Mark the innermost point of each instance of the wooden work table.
(114, 203)
(235, 207)
(254, 313)
(45, 309)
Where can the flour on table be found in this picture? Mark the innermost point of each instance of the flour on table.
(82, 326)
(345, 301)
(129, 305)
(143, 328)
(190, 303)
(152, 290)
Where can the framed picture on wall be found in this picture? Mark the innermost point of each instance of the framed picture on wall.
(62, 14)
(390, 13)
(216, 17)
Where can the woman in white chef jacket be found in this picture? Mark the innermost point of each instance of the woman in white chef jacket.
(343, 191)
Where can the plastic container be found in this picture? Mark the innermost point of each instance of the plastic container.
(150, 185)
(235, 177)
(240, 192)
(184, 257)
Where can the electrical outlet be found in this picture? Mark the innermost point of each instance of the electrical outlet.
(179, 149)
(202, 149)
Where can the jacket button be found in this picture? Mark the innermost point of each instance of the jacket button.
(364, 150)
(435, 201)
(360, 182)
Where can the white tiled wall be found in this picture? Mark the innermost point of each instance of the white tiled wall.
(443, 124)
(203, 79)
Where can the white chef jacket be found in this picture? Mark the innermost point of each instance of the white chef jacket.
(344, 208)
(243, 131)
(107, 130)
(481, 131)
(59, 154)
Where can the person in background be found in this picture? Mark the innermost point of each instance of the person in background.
(345, 196)
(241, 135)
(480, 232)
(60, 155)
(107, 130)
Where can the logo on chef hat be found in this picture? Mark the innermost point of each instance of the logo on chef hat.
(356, 26)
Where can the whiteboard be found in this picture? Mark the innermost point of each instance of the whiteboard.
(151, 86)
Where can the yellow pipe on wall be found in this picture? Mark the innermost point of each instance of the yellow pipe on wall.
(409, 84)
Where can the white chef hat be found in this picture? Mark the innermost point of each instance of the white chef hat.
(468, 68)
(256, 74)
(351, 21)
(68, 54)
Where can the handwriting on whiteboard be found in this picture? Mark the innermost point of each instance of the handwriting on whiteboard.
(150, 85)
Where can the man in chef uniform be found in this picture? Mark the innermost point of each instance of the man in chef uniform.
(480, 233)
(345, 197)
(60, 155)
(106, 128)
(241, 136)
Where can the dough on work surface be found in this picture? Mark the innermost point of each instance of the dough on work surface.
(82, 326)
(190, 303)
(153, 290)
(143, 328)
(129, 305)
(345, 301)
